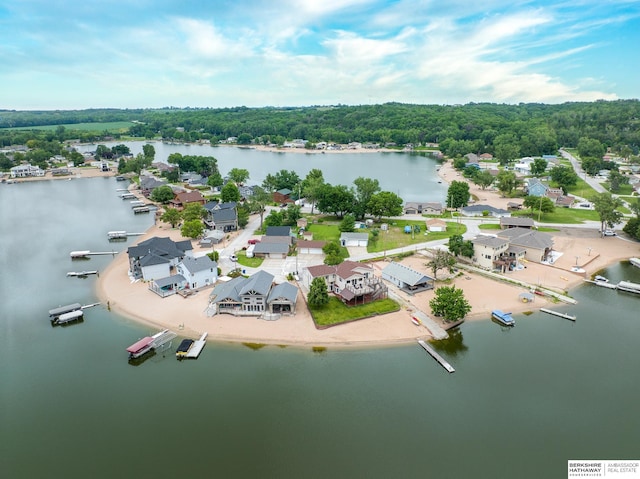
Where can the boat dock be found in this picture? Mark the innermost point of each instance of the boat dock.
(184, 348)
(558, 313)
(603, 284)
(136, 203)
(114, 235)
(68, 317)
(629, 287)
(81, 274)
(127, 196)
(443, 362)
(87, 253)
(55, 312)
(141, 209)
(150, 343)
(196, 347)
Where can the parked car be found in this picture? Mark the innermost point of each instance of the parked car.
(233, 257)
(253, 241)
(609, 233)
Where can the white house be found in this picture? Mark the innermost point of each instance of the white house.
(354, 239)
(23, 171)
(198, 272)
(436, 225)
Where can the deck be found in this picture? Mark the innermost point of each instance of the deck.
(197, 347)
(443, 362)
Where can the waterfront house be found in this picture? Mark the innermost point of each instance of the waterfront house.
(243, 296)
(538, 246)
(407, 279)
(221, 216)
(413, 208)
(198, 272)
(487, 250)
(282, 196)
(25, 171)
(516, 222)
(154, 258)
(351, 282)
(282, 300)
(168, 286)
(184, 199)
(479, 210)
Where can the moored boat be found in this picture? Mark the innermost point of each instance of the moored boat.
(184, 348)
(601, 279)
(502, 317)
(416, 321)
(635, 262)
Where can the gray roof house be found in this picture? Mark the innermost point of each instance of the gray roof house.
(407, 279)
(222, 216)
(253, 296)
(478, 210)
(538, 245)
(153, 258)
(198, 272)
(272, 249)
(516, 222)
(354, 239)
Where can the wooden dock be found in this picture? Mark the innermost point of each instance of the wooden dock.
(443, 362)
(559, 314)
(602, 284)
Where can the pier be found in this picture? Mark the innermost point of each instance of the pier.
(443, 362)
(87, 253)
(55, 312)
(602, 284)
(128, 196)
(81, 274)
(197, 347)
(558, 313)
(115, 235)
(141, 209)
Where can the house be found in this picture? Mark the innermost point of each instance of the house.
(487, 250)
(272, 247)
(24, 171)
(282, 196)
(436, 225)
(478, 210)
(222, 216)
(535, 187)
(407, 279)
(352, 282)
(537, 245)
(253, 296)
(486, 157)
(154, 258)
(413, 208)
(184, 199)
(516, 222)
(198, 272)
(213, 237)
(148, 184)
(354, 239)
(282, 231)
(472, 160)
(310, 247)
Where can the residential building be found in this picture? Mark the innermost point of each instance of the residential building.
(154, 258)
(352, 282)
(198, 272)
(26, 170)
(538, 245)
(436, 225)
(413, 208)
(282, 196)
(516, 222)
(407, 279)
(479, 210)
(354, 239)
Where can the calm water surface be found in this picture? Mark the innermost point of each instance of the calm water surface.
(521, 403)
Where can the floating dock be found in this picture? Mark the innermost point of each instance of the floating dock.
(559, 314)
(128, 196)
(150, 343)
(141, 209)
(443, 362)
(87, 253)
(602, 284)
(196, 347)
(136, 203)
(68, 317)
(81, 274)
(115, 235)
(629, 287)
(55, 312)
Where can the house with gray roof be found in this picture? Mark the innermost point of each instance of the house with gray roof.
(538, 245)
(354, 239)
(272, 249)
(487, 250)
(253, 296)
(479, 210)
(154, 258)
(407, 279)
(168, 286)
(198, 272)
(516, 222)
(221, 216)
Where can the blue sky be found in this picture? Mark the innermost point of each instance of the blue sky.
(57, 54)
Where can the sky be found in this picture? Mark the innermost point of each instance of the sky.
(61, 54)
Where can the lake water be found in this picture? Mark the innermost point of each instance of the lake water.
(412, 176)
(521, 402)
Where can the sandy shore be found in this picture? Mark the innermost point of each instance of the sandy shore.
(76, 172)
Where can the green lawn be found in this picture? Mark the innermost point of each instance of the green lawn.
(335, 312)
(581, 188)
(324, 232)
(563, 215)
(624, 190)
(249, 262)
(395, 237)
(489, 226)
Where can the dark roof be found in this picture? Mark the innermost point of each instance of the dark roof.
(152, 259)
(221, 216)
(283, 291)
(527, 238)
(278, 231)
(268, 248)
(516, 221)
(405, 274)
(481, 208)
(164, 247)
(259, 282)
(202, 263)
(491, 241)
(169, 280)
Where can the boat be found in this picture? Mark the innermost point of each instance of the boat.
(141, 347)
(68, 317)
(184, 348)
(502, 317)
(635, 262)
(416, 321)
(56, 312)
(81, 274)
(629, 287)
(601, 279)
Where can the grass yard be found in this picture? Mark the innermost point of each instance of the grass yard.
(395, 237)
(489, 226)
(564, 215)
(581, 188)
(324, 232)
(624, 190)
(249, 262)
(335, 312)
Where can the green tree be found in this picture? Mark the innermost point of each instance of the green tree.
(243, 215)
(483, 178)
(338, 200)
(590, 147)
(449, 303)
(192, 229)
(385, 203)
(348, 224)
(194, 211)
(149, 152)
(214, 180)
(458, 194)
(291, 214)
(274, 218)
(162, 194)
(312, 185)
(229, 193)
(616, 180)
(244, 139)
(365, 189)
(460, 247)
(333, 253)
(374, 235)
(441, 259)
(239, 175)
(171, 216)
(318, 295)
(541, 204)
(607, 208)
(506, 182)
(592, 165)
(539, 166)
(259, 201)
(564, 177)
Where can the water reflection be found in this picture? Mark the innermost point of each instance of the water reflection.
(453, 345)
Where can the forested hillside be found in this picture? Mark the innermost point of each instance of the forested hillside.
(503, 130)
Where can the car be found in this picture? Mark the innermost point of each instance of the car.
(608, 233)
(233, 257)
(253, 241)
